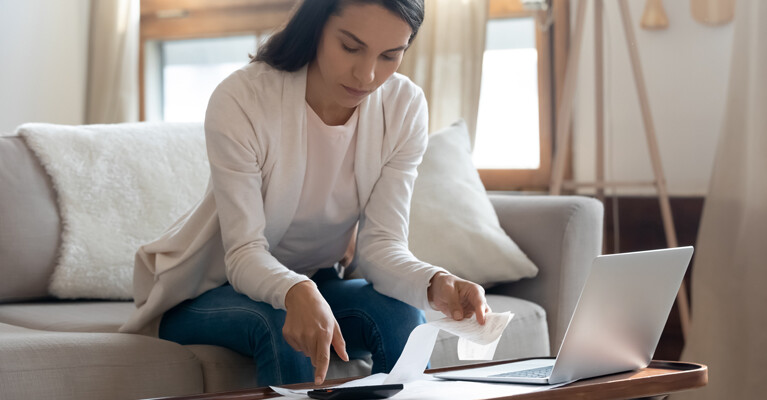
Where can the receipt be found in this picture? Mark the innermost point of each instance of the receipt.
(475, 342)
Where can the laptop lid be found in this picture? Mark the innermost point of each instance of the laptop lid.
(621, 313)
(617, 321)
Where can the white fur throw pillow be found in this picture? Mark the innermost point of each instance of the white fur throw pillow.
(118, 186)
(452, 222)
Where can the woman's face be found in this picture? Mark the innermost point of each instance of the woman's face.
(358, 51)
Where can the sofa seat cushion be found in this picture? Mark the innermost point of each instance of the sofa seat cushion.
(221, 369)
(527, 335)
(68, 316)
(67, 365)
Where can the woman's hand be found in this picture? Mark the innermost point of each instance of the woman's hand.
(311, 328)
(457, 298)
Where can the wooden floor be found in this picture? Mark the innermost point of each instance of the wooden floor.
(641, 228)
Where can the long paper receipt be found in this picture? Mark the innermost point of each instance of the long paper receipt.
(475, 342)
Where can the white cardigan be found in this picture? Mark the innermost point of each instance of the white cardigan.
(255, 130)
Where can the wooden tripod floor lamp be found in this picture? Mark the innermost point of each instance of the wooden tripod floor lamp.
(564, 114)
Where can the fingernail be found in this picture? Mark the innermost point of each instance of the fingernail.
(457, 315)
(317, 380)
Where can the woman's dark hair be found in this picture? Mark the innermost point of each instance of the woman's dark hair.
(296, 44)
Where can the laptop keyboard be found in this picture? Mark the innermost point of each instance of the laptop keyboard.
(542, 372)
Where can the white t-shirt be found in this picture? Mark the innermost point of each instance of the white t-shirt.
(329, 208)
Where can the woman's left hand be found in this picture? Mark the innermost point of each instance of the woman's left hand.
(457, 298)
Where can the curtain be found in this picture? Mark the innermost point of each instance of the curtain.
(112, 93)
(445, 60)
(728, 329)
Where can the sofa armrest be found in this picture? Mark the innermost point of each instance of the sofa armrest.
(562, 235)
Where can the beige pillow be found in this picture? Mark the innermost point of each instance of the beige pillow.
(452, 222)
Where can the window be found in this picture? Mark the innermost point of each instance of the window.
(522, 65)
(187, 71)
(188, 47)
(508, 132)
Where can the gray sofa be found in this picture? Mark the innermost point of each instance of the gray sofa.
(52, 348)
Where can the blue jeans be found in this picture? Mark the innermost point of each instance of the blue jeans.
(371, 323)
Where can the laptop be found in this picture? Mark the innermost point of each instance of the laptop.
(616, 324)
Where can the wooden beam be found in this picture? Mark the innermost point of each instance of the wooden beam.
(564, 112)
(153, 7)
(652, 143)
(506, 9)
(212, 23)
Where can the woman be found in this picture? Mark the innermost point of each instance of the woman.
(314, 136)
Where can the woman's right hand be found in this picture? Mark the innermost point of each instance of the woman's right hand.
(311, 328)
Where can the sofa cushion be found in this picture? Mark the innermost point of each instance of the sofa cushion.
(68, 316)
(118, 187)
(29, 224)
(527, 335)
(54, 365)
(452, 222)
(222, 369)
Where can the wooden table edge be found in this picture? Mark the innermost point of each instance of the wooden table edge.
(686, 376)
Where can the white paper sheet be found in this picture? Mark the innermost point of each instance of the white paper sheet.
(477, 342)
(434, 388)
(291, 393)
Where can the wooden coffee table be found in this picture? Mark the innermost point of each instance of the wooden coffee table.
(659, 378)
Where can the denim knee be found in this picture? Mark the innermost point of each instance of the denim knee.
(225, 318)
(388, 326)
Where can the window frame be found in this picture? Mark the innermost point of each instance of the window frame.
(194, 19)
(552, 54)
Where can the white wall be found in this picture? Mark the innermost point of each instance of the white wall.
(686, 68)
(43, 61)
